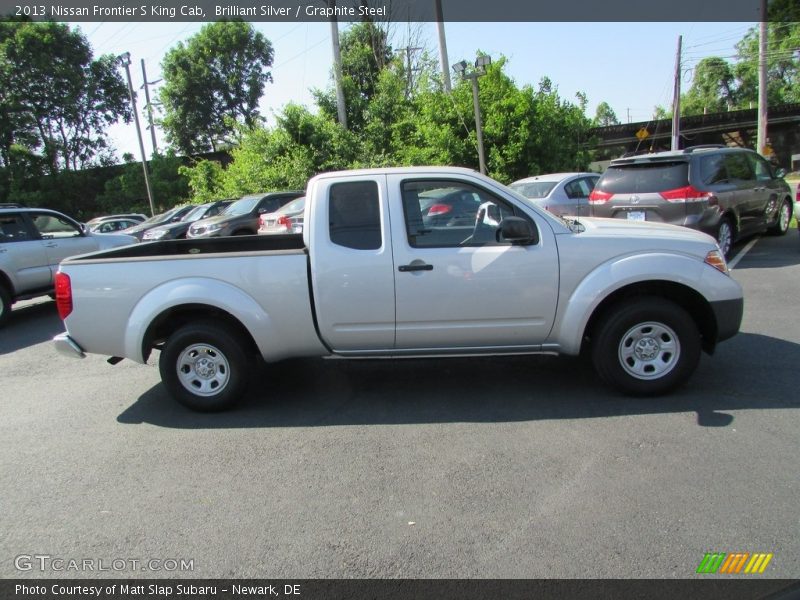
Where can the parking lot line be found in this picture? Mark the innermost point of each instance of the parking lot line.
(740, 255)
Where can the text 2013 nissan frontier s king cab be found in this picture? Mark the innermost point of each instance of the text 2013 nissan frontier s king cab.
(418, 261)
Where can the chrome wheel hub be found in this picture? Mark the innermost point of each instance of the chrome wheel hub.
(203, 370)
(649, 350)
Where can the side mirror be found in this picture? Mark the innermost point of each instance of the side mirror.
(518, 231)
(84, 229)
(780, 173)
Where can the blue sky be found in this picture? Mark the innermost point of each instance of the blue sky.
(628, 65)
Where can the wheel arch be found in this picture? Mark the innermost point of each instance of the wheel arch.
(175, 317)
(684, 296)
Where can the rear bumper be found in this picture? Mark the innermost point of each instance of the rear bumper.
(67, 346)
(728, 314)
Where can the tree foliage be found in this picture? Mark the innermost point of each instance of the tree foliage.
(604, 116)
(213, 81)
(56, 99)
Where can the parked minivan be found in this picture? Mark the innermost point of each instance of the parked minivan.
(728, 193)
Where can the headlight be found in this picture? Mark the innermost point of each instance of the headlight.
(215, 227)
(154, 234)
(717, 260)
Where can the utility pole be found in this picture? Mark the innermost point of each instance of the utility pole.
(676, 100)
(442, 46)
(481, 63)
(337, 65)
(125, 61)
(152, 127)
(761, 138)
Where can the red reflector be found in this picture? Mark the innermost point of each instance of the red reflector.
(685, 194)
(63, 295)
(598, 197)
(439, 209)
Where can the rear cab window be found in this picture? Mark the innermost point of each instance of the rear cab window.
(354, 215)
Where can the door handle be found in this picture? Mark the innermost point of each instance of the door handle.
(413, 267)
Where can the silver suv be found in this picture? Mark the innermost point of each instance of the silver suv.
(32, 243)
(729, 193)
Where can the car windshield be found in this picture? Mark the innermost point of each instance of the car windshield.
(195, 214)
(644, 178)
(534, 189)
(242, 206)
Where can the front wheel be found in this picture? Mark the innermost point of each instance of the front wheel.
(646, 347)
(205, 367)
(782, 219)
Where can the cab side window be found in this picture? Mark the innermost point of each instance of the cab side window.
(760, 167)
(52, 226)
(13, 229)
(354, 215)
(443, 214)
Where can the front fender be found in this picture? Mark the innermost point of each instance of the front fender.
(197, 290)
(618, 273)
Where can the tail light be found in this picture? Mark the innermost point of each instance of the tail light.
(262, 222)
(598, 197)
(439, 209)
(63, 295)
(285, 221)
(685, 194)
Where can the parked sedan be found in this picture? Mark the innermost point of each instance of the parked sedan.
(111, 225)
(175, 231)
(280, 221)
(136, 217)
(559, 193)
(241, 217)
(171, 216)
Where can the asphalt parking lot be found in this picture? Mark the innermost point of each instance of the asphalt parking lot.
(515, 467)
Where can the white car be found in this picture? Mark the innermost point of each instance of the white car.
(33, 242)
(559, 193)
(280, 221)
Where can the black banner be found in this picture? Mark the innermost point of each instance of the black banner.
(359, 589)
(387, 10)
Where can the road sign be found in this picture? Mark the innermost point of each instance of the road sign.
(642, 133)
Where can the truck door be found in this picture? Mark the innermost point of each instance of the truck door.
(457, 286)
(352, 266)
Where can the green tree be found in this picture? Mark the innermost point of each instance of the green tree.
(57, 99)
(604, 116)
(127, 192)
(713, 88)
(216, 79)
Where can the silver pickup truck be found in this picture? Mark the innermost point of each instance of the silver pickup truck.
(420, 261)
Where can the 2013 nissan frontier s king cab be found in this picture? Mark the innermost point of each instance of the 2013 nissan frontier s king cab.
(418, 261)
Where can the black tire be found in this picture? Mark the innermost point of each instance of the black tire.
(5, 305)
(205, 366)
(782, 219)
(725, 234)
(646, 347)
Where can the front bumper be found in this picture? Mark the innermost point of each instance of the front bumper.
(728, 314)
(67, 346)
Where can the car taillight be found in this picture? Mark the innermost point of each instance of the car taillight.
(685, 194)
(285, 221)
(63, 295)
(598, 197)
(439, 209)
(262, 221)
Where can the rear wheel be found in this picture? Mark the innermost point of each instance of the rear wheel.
(725, 236)
(5, 305)
(782, 219)
(646, 347)
(205, 367)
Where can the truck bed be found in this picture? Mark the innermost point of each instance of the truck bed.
(220, 245)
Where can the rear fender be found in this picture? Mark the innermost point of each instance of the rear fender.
(198, 291)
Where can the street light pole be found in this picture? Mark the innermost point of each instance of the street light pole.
(125, 61)
(479, 71)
